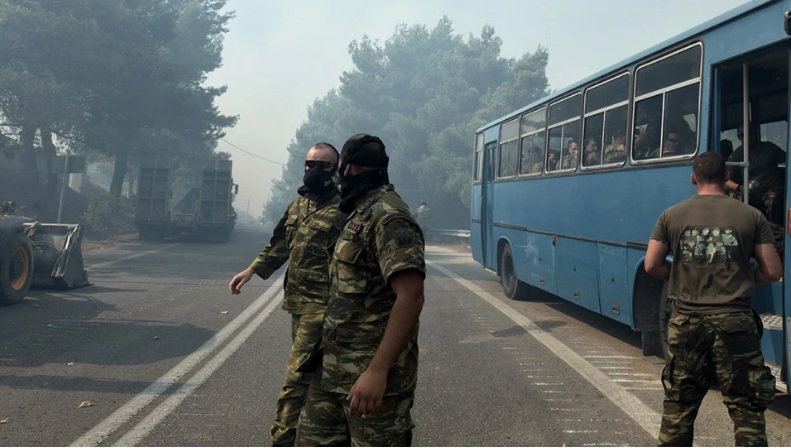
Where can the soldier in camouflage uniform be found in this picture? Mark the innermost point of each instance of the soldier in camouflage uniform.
(304, 237)
(712, 332)
(423, 216)
(370, 352)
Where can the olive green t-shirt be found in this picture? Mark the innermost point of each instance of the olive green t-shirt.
(712, 239)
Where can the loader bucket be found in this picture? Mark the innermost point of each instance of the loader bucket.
(57, 255)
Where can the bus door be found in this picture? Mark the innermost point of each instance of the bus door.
(487, 206)
(753, 109)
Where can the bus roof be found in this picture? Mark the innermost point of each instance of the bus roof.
(694, 31)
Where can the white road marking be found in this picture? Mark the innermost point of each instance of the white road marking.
(130, 257)
(643, 415)
(123, 414)
(136, 435)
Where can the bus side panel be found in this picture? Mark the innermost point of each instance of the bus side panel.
(576, 272)
(540, 256)
(614, 283)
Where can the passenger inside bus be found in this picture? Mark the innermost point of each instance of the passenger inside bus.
(767, 177)
(615, 152)
(592, 152)
(672, 145)
(571, 158)
(726, 148)
(642, 146)
(552, 160)
(538, 159)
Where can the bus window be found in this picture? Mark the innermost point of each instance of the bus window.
(615, 135)
(647, 124)
(478, 161)
(532, 154)
(591, 145)
(606, 117)
(532, 142)
(561, 140)
(509, 149)
(564, 128)
(667, 93)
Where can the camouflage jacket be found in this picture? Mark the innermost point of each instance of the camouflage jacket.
(379, 239)
(305, 237)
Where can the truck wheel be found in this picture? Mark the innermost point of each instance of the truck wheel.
(16, 269)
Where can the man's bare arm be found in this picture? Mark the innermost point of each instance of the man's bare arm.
(655, 262)
(770, 268)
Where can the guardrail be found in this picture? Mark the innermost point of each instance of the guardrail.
(456, 236)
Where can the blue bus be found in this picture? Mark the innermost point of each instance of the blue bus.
(566, 190)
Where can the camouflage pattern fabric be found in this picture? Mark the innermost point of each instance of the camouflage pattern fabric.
(305, 235)
(305, 332)
(771, 205)
(423, 217)
(615, 153)
(379, 238)
(592, 158)
(570, 161)
(326, 421)
(722, 346)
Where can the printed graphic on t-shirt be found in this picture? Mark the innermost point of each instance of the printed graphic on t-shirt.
(708, 244)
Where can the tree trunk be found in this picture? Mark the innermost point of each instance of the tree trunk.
(28, 137)
(50, 152)
(119, 173)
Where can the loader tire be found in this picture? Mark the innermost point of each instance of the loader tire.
(16, 268)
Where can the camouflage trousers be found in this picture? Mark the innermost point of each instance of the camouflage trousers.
(326, 421)
(305, 331)
(722, 346)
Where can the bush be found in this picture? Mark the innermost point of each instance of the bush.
(107, 216)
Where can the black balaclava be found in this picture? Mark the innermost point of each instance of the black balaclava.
(318, 184)
(351, 187)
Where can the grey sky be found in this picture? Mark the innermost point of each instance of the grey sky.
(279, 57)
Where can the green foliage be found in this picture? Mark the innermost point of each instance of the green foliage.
(118, 78)
(424, 92)
(105, 216)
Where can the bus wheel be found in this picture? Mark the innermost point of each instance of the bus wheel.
(512, 286)
(654, 342)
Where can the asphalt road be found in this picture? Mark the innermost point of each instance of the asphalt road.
(156, 352)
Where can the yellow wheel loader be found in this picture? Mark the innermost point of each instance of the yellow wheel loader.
(34, 254)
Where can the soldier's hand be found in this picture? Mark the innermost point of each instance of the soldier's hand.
(366, 394)
(239, 280)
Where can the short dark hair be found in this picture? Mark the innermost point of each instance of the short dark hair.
(328, 146)
(709, 168)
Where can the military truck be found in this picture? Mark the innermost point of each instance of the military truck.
(205, 212)
(34, 254)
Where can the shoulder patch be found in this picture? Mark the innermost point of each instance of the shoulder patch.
(354, 226)
(405, 237)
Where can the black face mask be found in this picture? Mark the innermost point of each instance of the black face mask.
(317, 183)
(351, 187)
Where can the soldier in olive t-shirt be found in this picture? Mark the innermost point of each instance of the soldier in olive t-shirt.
(712, 239)
(712, 332)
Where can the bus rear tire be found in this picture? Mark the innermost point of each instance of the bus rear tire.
(654, 342)
(513, 288)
